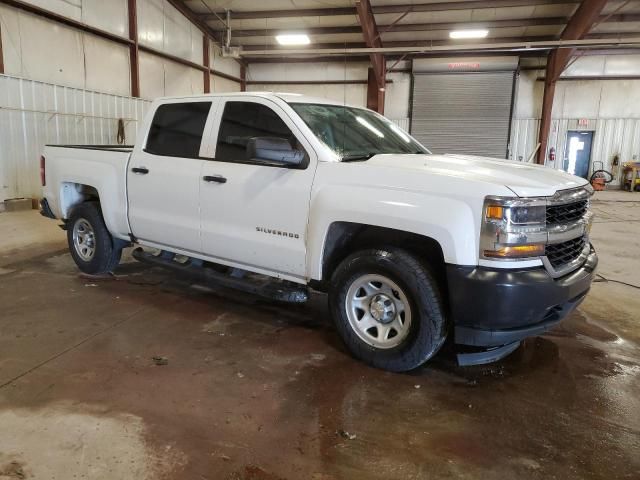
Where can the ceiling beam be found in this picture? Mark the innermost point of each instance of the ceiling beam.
(427, 27)
(578, 26)
(435, 43)
(385, 9)
(377, 74)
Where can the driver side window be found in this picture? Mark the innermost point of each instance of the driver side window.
(247, 128)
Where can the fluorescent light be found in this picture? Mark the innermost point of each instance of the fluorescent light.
(468, 33)
(293, 39)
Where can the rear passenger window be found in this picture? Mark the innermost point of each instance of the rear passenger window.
(176, 130)
(242, 121)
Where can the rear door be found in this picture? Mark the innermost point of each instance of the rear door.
(254, 213)
(163, 179)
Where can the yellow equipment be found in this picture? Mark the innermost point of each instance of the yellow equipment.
(630, 178)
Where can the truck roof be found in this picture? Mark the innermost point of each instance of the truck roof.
(287, 97)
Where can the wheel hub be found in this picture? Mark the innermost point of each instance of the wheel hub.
(382, 308)
(84, 240)
(378, 311)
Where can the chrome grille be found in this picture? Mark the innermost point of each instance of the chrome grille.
(557, 214)
(560, 254)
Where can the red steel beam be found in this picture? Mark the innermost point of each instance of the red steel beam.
(377, 74)
(1, 52)
(207, 63)
(243, 78)
(134, 63)
(578, 26)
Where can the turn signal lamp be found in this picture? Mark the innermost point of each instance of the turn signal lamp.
(516, 251)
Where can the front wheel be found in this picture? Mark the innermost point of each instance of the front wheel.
(90, 243)
(388, 309)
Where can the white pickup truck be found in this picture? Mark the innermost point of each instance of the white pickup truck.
(279, 193)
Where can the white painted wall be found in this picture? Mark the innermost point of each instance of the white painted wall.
(610, 107)
(42, 50)
(38, 49)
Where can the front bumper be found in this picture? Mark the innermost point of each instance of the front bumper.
(499, 307)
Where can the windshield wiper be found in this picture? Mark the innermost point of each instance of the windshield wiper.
(358, 157)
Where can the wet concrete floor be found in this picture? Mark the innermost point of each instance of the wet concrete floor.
(254, 390)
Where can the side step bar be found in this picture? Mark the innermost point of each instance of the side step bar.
(273, 289)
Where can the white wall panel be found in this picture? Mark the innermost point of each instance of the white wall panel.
(35, 113)
(307, 71)
(11, 41)
(151, 76)
(111, 15)
(178, 35)
(620, 98)
(162, 78)
(222, 85)
(355, 95)
(38, 38)
(163, 28)
(397, 96)
(107, 66)
(67, 8)
(178, 79)
(577, 99)
(151, 23)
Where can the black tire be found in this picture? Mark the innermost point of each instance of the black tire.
(426, 331)
(106, 255)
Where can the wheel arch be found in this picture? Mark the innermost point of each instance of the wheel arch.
(344, 238)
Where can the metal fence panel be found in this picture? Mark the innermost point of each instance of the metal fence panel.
(33, 114)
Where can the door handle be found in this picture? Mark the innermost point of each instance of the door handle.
(214, 178)
(140, 170)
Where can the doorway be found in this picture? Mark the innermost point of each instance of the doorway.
(577, 155)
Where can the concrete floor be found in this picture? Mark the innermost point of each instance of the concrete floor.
(263, 392)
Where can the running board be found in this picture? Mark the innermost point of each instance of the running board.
(279, 290)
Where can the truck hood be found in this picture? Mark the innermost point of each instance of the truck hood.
(524, 179)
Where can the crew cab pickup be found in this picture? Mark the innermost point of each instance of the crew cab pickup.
(278, 194)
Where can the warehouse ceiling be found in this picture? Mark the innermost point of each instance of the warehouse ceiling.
(404, 23)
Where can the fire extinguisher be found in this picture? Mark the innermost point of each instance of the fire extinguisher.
(552, 154)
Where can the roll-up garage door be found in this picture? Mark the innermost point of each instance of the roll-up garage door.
(463, 112)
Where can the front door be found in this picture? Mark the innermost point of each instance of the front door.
(163, 180)
(254, 213)
(578, 153)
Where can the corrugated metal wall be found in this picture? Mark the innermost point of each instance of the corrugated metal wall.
(35, 113)
(613, 136)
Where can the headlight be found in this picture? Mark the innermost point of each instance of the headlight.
(513, 228)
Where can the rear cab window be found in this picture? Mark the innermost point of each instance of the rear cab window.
(177, 129)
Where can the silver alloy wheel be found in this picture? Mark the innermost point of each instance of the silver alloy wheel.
(84, 239)
(378, 311)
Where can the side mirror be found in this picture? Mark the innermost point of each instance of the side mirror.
(274, 150)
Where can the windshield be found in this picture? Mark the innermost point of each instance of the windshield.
(355, 133)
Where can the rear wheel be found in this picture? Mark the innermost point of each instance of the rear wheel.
(388, 309)
(90, 243)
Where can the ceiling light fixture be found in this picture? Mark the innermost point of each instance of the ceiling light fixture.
(468, 34)
(293, 39)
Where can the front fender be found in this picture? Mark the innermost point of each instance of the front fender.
(449, 221)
